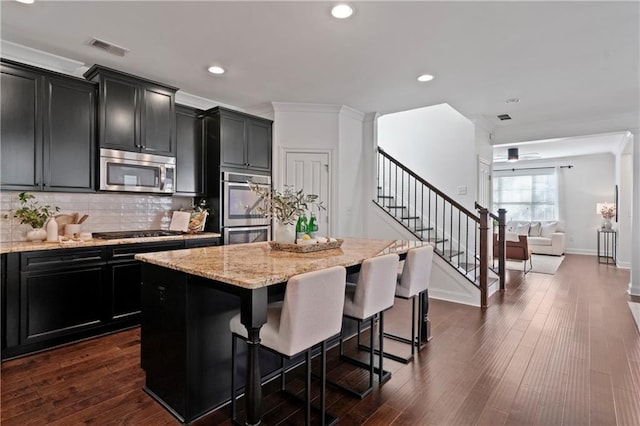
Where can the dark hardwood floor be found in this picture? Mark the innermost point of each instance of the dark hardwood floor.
(551, 350)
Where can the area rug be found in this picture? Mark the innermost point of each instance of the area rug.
(635, 311)
(542, 264)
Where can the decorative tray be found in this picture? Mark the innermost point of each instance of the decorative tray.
(305, 248)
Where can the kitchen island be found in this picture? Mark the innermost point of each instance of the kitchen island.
(189, 297)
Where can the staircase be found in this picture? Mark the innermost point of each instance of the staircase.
(458, 235)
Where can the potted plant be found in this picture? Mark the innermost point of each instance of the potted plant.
(285, 207)
(35, 215)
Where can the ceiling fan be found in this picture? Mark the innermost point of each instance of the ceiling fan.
(513, 154)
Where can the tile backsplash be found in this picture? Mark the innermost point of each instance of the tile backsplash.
(107, 212)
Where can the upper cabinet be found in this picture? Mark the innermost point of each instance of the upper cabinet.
(238, 141)
(134, 114)
(47, 128)
(189, 151)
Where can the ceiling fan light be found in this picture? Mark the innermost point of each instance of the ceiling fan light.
(512, 154)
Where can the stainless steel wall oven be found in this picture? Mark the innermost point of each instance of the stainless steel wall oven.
(241, 222)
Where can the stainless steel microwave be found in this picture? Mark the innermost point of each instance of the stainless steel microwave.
(136, 172)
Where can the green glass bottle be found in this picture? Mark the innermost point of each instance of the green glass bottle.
(312, 228)
(301, 226)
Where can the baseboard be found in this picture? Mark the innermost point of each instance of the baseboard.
(585, 252)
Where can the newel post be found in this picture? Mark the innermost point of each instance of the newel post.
(484, 255)
(502, 218)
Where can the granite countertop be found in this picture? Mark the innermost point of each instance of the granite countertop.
(256, 265)
(21, 246)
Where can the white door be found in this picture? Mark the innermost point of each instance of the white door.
(309, 171)
(484, 184)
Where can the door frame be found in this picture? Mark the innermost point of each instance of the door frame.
(331, 179)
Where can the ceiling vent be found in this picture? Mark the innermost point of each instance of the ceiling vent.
(109, 47)
(503, 117)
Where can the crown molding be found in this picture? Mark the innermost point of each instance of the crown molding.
(306, 107)
(38, 58)
(554, 129)
(195, 101)
(351, 113)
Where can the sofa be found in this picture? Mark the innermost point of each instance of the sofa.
(543, 237)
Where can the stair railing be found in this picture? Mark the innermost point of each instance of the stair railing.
(431, 215)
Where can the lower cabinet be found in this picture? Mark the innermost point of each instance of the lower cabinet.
(54, 297)
(59, 303)
(125, 278)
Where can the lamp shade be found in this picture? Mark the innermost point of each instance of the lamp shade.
(512, 154)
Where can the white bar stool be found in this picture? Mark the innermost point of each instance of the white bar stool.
(310, 314)
(412, 282)
(369, 298)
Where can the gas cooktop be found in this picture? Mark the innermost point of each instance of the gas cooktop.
(115, 235)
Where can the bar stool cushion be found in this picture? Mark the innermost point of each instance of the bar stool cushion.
(310, 313)
(375, 288)
(416, 272)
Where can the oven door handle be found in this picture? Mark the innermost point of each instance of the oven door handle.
(247, 228)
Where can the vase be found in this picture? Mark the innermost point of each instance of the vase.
(285, 233)
(606, 223)
(37, 235)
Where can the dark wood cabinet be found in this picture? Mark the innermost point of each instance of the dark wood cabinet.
(56, 303)
(134, 114)
(20, 128)
(69, 135)
(201, 242)
(237, 141)
(58, 296)
(190, 153)
(124, 277)
(47, 130)
(259, 145)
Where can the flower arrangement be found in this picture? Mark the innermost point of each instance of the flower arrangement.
(31, 213)
(608, 211)
(285, 206)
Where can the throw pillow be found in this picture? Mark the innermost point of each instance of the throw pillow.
(522, 229)
(511, 236)
(534, 230)
(547, 229)
(511, 226)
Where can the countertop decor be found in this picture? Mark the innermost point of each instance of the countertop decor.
(22, 246)
(305, 248)
(285, 206)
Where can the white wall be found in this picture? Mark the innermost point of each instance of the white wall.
(338, 129)
(634, 285)
(352, 170)
(624, 180)
(437, 143)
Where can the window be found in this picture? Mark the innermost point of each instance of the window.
(527, 195)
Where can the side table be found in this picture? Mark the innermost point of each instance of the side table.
(607, 246)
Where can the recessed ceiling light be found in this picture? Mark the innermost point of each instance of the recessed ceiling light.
(425, 77)
(512, 101)
(216, 70)
(25, 1)
(342, 11)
